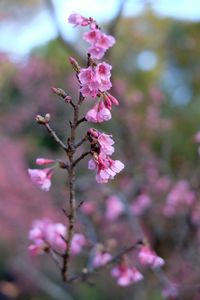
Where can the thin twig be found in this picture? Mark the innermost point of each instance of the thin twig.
(86, 273)
(81, 157)
(54, 135)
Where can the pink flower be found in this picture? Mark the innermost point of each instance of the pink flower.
(101, 258)
(55, 236)
(197, 137)
(42, 178)
(45, 234)
(99, 42)
(180, 196)
(126, 275)
(99, 113)
(44, 161)
(106, 168)
(95, 79)
(114, 208)
(106, 143)
(77, 19)
(141, 203)
(77, 244)
(148, 257)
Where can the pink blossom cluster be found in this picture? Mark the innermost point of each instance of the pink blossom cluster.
(95, 79)
(180, 196)
(125, 274)
(105, 167)
(99, 42)
(148, 257)
(46, 235)
(42, 177)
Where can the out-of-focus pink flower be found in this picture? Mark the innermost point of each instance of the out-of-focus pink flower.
(42, 178)
(180, 196)
(126, 275)
(77, 244)
(141, 203)
(99, 113)
(88, 207)
(55, 236)
(77, 19)
(46, 235)
(114, 208)
(44, 161)
(101, 258)
(197, 137)
(170, 291)
(148, 257)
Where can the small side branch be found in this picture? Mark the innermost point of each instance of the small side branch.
(55, 137)
(81, 157)
(85, 274)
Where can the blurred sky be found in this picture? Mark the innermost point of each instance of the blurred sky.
(20, 39)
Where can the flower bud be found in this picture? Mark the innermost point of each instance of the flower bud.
(74, 64)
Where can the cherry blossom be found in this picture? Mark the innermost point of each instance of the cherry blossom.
(99, 113)
(42, 178)
(101, 257)
(114, 208)
(126, 275)
(150, 258)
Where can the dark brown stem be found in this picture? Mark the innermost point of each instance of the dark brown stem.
(81, 157)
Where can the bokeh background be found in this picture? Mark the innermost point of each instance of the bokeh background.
(156, 73)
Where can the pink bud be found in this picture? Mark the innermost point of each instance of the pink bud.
(44, 161)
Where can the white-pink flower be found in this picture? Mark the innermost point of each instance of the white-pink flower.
(106, 143)
(141, 203)
(106, 167)
(126, 275)
(77, 244)
(42, 178)
(77, 19)
(99, 113)
(148, 257)
(114, 208)
(100, 42)
(101, 258)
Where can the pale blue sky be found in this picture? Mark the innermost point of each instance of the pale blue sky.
(19, 40)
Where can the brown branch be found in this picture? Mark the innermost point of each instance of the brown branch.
(81, 157)
(85, 274)
(55, 137)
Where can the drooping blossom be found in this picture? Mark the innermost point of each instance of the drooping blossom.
(109, 100)
(101, 257)
(179, 197)
(99, 113)
(141, 203)
(126, 275)
(114, 208)
(106, 142)
(46, 235)
(148, 257)
(42, 178)
(105, 167)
